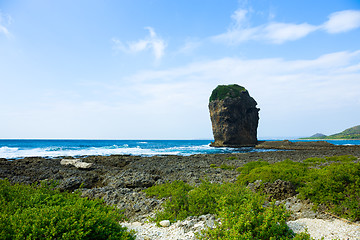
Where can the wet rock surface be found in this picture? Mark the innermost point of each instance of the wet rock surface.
(120, 179)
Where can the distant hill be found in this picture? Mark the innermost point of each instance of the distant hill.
(318, 136)
(350, 133)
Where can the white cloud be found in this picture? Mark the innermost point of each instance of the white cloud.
(280, 32)
(156, 44)
(297, 91)
(5, 20)
(240, 18)
(342, 21)
(190, 46)
(4, 31)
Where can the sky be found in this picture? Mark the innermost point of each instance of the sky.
(145, 69)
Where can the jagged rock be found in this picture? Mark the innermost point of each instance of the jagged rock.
(70, 184)
(234, 117)
(279, 189)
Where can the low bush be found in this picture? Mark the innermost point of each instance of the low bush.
(333, 183)
(227, 167)
(314, 161)
(332, 159)
(242, 212)
(168, 189)
(223, 166)
(337, 186)
(342, 159)
(38, 212)
(286, 170)
(251, 165)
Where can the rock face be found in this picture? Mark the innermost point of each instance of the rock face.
(234, 117)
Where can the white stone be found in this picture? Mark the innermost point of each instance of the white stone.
(83, 165)
(165, 223)
(68, 161)
(76, 162)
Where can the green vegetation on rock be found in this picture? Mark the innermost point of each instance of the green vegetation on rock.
(38, 212)
(350, 133)
(223, 91)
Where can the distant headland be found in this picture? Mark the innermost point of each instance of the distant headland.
(348, 134)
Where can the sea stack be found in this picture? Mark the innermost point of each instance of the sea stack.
(234, 116)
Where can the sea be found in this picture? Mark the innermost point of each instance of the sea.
(20, 148)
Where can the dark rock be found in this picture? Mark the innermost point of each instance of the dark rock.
(279, 189)
(234, 117)
(288, 145)
(70, 184)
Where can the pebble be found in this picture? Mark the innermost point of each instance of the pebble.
(185, 230)
(165, 223)
(326, 229)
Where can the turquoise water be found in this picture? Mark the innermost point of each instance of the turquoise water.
(54, 148)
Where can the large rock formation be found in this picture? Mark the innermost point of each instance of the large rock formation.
(234, 117)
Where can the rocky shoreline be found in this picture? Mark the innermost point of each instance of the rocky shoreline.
(120, 179)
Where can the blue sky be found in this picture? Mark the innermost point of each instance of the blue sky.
(145, 69)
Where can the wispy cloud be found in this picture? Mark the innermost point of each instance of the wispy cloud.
(152, 42)
(5, 20)
(280, 32)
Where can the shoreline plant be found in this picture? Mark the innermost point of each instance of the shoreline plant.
(242, 212)
(39, 212)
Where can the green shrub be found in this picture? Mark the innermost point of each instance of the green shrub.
(227, 167)
(213, 166)
(168, 189)
(251, 165)
(314, 161)
(342, 159)
(241, 211)
(243, 216)
(339, 159)
(223, 166)
(231, 158)
(337, 186)
(286, 170)
(38, 212)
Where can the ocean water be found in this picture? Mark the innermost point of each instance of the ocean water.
(12, 149)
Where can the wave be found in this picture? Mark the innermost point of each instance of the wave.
(58, 148)
(14, 153)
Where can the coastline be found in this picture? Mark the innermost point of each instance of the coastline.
(120, 179)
